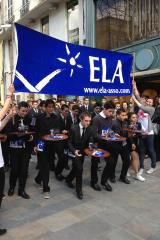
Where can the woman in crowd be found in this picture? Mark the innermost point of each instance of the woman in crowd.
(3, 122)
(134, 144)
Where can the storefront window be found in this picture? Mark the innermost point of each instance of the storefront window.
(121, 22)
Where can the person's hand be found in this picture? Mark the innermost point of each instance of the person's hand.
(133, 83)
(11, 90)
(64, 131)
(35, 149)
(77, 153)
(31, 138)
(117, 135)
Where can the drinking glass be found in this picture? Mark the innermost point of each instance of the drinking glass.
(52, 131)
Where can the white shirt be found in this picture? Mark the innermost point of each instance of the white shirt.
(102, 114)
(143, 119)
(1, 156)
(81, 129)
(74, 118)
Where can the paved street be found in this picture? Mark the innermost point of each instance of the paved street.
(130, 212)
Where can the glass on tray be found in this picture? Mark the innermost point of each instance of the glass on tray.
(52, 132)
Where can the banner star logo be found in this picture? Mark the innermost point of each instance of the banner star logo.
(72, 60)
(44, 81)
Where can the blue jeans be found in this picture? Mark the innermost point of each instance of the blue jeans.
(147, 143)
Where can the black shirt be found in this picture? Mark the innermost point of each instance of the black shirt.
(100, 123)
(13, 126)
(45, 123)
(118, 127)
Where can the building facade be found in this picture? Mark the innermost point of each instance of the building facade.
(61, 19)
(132, 26)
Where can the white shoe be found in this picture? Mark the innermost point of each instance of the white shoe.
(46, 195)
(128, 174)
(139, 177)
(140, 171)
(151, 170)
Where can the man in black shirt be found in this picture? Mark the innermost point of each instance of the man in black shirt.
(86, 106)
(65, 125)
(45, 123)
(100, 122)
(19, 149)
(96, 109)
(118, 126)
(74, 114)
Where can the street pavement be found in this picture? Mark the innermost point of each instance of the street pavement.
(130, 212)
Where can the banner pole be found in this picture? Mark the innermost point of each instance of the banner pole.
(13, 67)
(134, 66)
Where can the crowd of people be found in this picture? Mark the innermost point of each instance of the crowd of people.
(128, 129)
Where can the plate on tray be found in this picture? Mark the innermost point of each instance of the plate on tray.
(56, 137)
(113, 139)
(98, 153)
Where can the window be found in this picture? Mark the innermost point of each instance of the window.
(25, 2)
(122, 22)
(73, 21)
(25, 7)
(10, 8)
(45, 25)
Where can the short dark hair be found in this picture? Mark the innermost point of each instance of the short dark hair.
(75, 107)
(85, 98)
(130, 114)
(84, 114)
(64, 106)
(109, 105)
(117, 103)
(43, 102)
(97, 104)
(49, 101)
(23, 104)
(120, 110)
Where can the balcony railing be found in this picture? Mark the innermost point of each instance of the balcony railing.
(24, 9)
(10, 20)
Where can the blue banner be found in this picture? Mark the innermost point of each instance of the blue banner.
(51, 66)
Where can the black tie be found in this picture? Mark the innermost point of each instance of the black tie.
(83, 133)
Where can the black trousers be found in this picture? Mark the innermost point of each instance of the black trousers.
(2, 182)
(19, 168)
(44, 169)
(113, 148)
(45, 159)
(76, 172)
(125, 156)
(59, 149)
